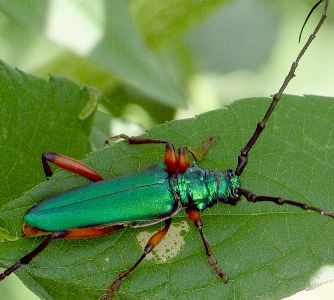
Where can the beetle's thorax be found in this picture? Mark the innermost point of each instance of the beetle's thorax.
(201, 188)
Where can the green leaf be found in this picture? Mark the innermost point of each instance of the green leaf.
(37, 116)
(269, 251)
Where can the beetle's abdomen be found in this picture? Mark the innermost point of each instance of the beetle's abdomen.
(141, 197)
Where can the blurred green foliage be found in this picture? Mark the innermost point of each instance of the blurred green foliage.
(150, 47)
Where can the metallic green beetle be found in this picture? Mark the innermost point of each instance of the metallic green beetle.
(141, 199)
(146, 197)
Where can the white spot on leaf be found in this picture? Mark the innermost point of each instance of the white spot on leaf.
(171, 244)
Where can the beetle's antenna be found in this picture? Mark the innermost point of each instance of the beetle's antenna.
(250, 196)
(308, 16)
(243, 157)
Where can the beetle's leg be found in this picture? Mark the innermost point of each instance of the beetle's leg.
(27, 258)
(171, 160)
(195, 217)
(154, 240)
(69, 164)
(80, 233)
(175, 163)
(250, 196)
(134, 139)
(198, 154)
(183, 162)
(77, 233)
(90, 232)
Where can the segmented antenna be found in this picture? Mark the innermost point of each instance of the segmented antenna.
(243, 156)
(308, 16)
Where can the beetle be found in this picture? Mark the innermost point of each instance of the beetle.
(156, 193)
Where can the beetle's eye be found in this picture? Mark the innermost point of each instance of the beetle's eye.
(230, 172)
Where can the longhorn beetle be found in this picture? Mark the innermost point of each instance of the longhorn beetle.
(149, 196)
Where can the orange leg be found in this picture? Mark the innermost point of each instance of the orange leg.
(175, 163)
(69, 164)
(90, 232)
(183, 162)
(70, 234)
(195, 217)
(170, 159)
(77, 233)
(152, 242)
